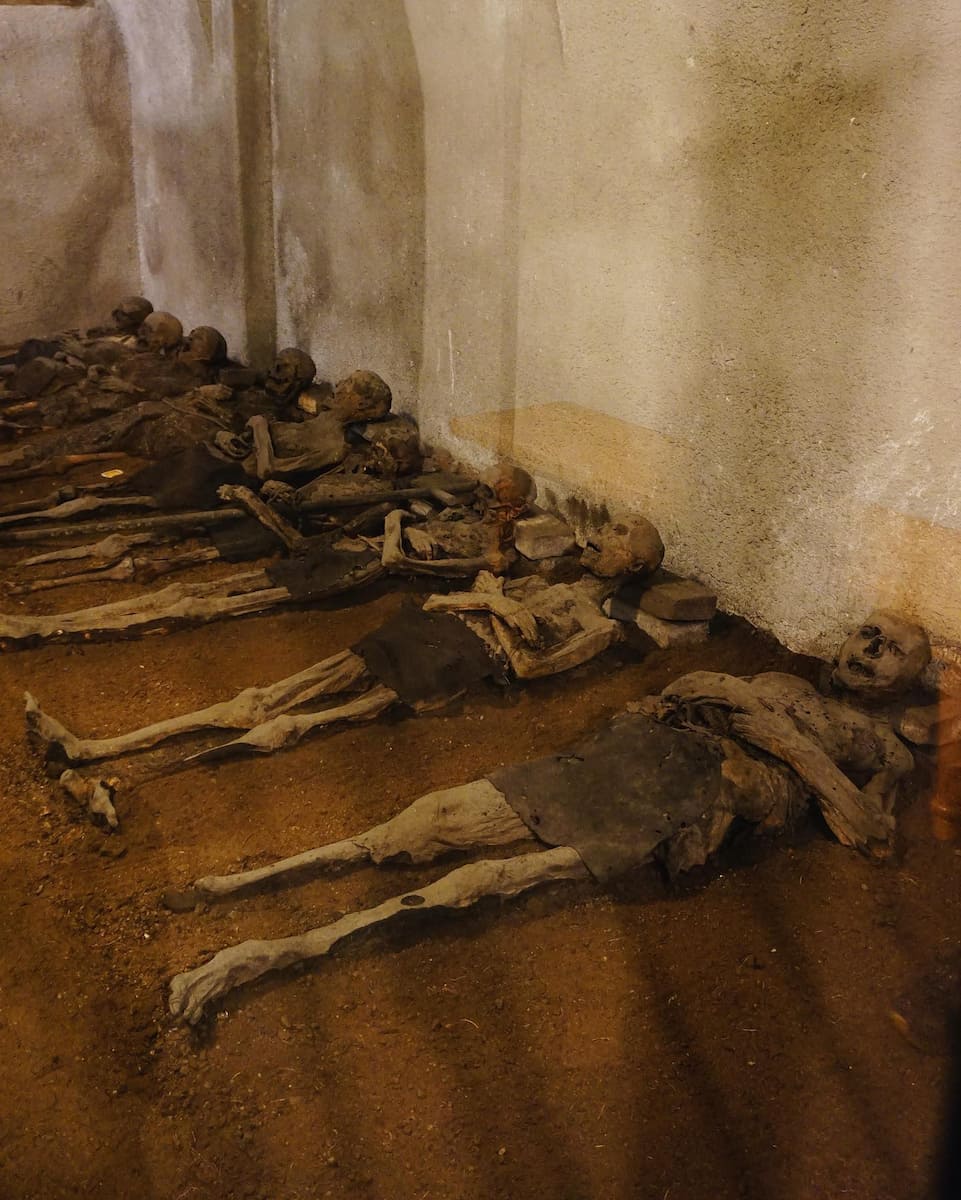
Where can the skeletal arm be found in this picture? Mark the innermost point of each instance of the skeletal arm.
(509, 611)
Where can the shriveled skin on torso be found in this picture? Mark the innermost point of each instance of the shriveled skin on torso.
(831, 743)
(562, 610)
(859, 743)
(451, 539)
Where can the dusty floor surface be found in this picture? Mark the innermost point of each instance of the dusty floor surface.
(726, 1039)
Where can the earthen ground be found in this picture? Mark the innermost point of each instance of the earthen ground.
(728, 1038)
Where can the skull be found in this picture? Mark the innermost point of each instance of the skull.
(631, 547)
(885, 655)
(394, 447)
(205, 345)
(291, 373)
(362, 396)
(160, 332)
(513, 491)
(131, 313)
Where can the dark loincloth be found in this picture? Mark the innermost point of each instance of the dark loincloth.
(618, 794)
(425, 656)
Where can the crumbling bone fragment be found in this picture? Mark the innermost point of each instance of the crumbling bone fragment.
(192, 990)
(261, 512)
(396, 559)
(96, 795)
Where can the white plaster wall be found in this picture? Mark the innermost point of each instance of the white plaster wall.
(700, 259)
(348, 193)
(185, 155)
(67, 240)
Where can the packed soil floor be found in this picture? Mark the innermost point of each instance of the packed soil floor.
(724, 1038)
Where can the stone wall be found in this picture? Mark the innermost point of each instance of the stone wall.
(699, 260)
(67, 236)
(349, 188)
(696, 260)
(186, 163)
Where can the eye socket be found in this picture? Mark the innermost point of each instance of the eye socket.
(896, 650)
(870, 631)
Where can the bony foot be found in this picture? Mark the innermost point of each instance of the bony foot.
(192, 991)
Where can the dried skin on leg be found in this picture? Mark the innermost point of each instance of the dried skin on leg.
(248, 708)
(192, 990)
(288, 728)
(244, 593)
(472, 816)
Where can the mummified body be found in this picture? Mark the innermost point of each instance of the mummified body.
(666, 781)
(422, 658)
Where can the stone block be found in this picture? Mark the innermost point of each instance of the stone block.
(680, 600)
(543, 536)
(666, 634)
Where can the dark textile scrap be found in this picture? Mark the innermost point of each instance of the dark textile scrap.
(244, 540)
(617, 794)
(320, 571)
(188, 479)
(425, 656)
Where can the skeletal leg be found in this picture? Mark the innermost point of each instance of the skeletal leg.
(122, 572)
(469, 817)
(104, 553)
(180, 602)
(267, 516)
(192, 990)
(247, 709)
(289, 728)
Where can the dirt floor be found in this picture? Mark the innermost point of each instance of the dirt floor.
(729, 1038)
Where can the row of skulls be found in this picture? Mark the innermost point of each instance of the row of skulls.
(362, 396)
(162, 333)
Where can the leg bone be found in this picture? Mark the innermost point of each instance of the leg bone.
(250, 707)
(192, 990)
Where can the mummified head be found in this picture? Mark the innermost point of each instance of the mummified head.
(394, 447)
(511, 488)
(131, 313)
(205, 345)
(291, 373)
(160, 333)
(362, 396)
(884, 656)
(629, 547)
